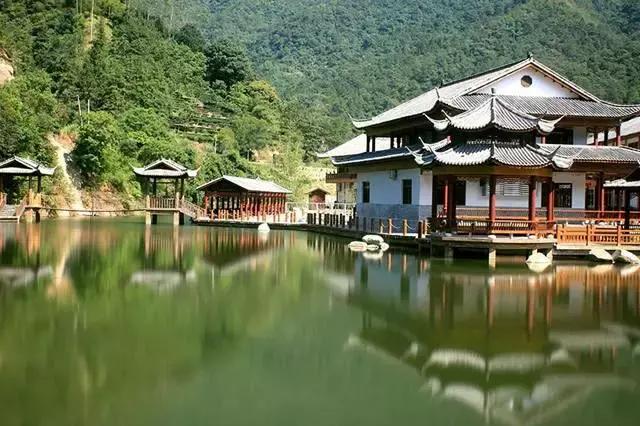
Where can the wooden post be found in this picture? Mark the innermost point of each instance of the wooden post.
(589, 234)
(595, 136)
(618, 136)
(619, 234)
(390, 225)
(451, 210)
(532, 199)
(492, 201)
(627, 208)
(420, 229)
(551, 199)
(543, 139)
(606, 136)
(405, 227)
(601, 195)
(380, 226)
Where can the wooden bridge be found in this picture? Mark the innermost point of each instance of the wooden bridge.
(177, 207)
(28, 208)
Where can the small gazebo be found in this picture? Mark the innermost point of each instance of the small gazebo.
(22, 168)
(172, 176)
(236, 197)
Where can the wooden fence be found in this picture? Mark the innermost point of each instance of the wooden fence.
(597, 235)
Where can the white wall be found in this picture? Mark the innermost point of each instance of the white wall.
(542, 86)
(384, 190)
(476, 199)
(578, 182)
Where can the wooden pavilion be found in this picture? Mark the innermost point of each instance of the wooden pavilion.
(30, 204)
(233, 197)
(172, 176)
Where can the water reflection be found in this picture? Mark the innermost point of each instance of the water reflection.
(105, 322)
(515, 346)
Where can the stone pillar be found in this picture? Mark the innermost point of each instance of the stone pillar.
(147, 217)
(176, 218)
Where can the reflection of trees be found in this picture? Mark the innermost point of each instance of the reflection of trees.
(513, 345)
(117, 342)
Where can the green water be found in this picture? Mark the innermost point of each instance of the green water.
(108, 323)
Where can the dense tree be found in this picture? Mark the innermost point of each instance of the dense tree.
(190, 36)
(227, 64)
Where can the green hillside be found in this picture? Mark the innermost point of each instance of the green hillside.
(362, 56)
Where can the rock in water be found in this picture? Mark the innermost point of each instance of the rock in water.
(264, 227)
(373, 247)
(538, 258)
(384, 247)
(373, 239)
(624, 256)
(358, 246)
(599, 256)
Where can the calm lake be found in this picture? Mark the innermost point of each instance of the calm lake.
(106, 322)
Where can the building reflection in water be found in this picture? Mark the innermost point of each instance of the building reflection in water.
(514, 345)
(21, 264)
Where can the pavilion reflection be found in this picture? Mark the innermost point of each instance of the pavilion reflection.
(515, 346)
(21, 263)
(168, 259)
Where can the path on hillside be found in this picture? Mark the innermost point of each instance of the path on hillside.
(61, 153)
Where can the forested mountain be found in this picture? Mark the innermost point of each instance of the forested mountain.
(115, 81)
(362, 56)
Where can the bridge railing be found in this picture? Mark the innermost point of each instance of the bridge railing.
(3, 200)
(191, 209)
(22, 207)
(162, 203)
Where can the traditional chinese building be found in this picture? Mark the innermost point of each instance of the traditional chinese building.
(510, 144)
(233, 197)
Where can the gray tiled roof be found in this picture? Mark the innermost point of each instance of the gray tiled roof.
(596, 154)
(24, 166)
(590, 105)
(248, 184)
(356, 145)
(495, 113)
(489, 152)
(164, 168)
(546, 106)
(364, 157)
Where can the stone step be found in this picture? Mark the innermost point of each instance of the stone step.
(8, 210)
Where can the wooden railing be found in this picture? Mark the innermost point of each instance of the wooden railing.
(192, 210)
(597, 235)
(3, 200)
(503, 226)
(162, 203)
(21, 207)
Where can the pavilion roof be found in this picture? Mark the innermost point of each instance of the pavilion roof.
(247, 184)
(164, 168)
(497, 114)
(24, 167)
(632, 181)
(460, 95)
(355, 146)
(472, 153)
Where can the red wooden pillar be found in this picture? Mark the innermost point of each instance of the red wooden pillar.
(543, 139)
(606, 136)
(618, 136)
(492, 200)
(532, 199)
(601, 203)
(595, 136)
(451, 213)
(551, 199)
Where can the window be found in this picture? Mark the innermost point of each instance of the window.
(406, 191)
(526, 81)
(563, 195)
(561, 137)
(365, 192)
